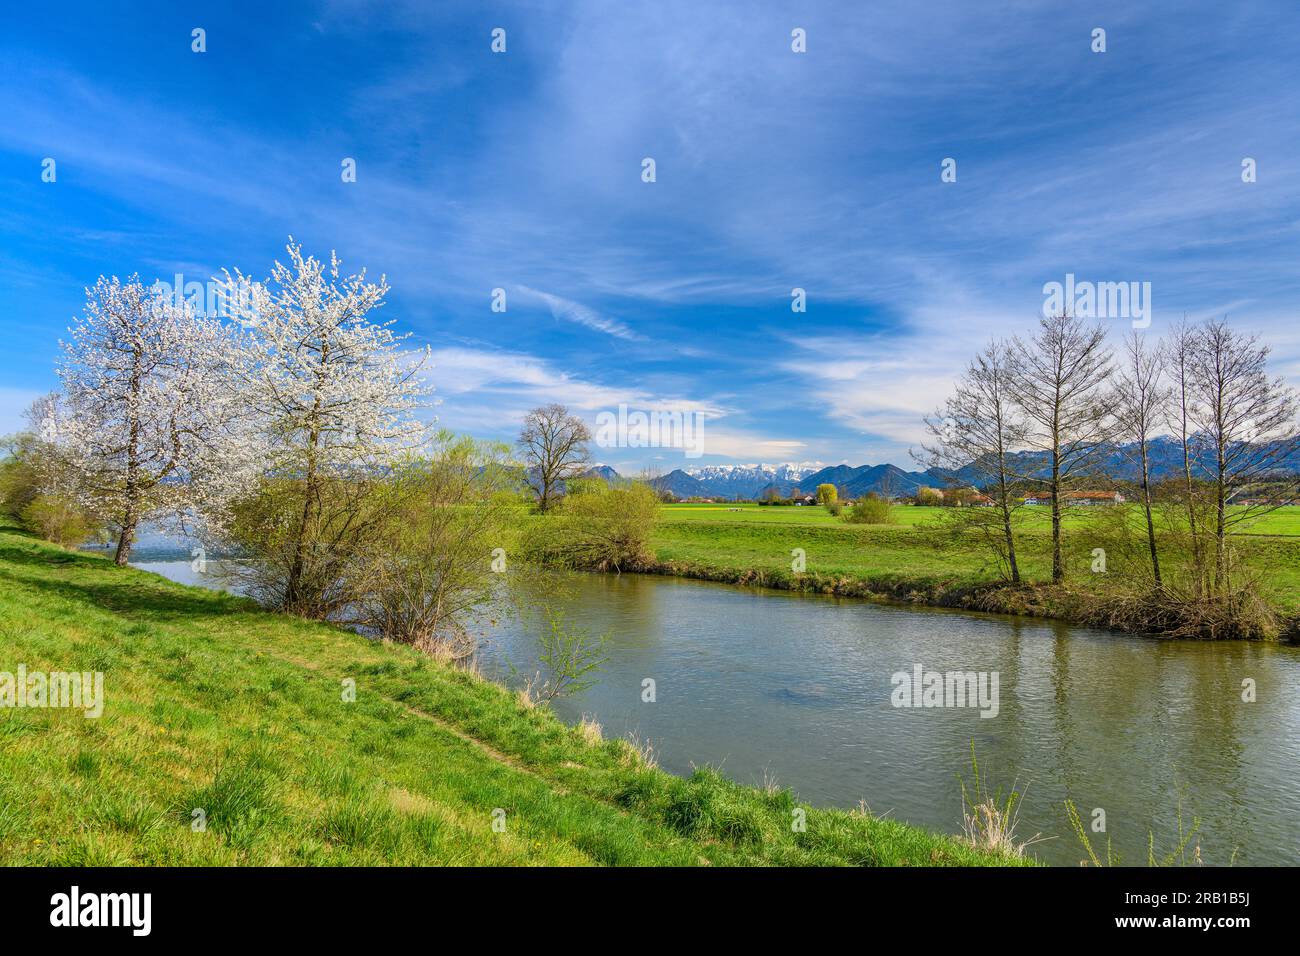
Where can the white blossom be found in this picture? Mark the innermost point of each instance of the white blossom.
(330, 390)
(147, 413)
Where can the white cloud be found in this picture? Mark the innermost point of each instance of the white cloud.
(491, 390)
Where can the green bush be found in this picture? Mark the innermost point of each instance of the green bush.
(37, 486)
(57, 519)
(600, 528)
(431, 564)
(872, 509)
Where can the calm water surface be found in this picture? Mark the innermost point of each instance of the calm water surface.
(796, 688)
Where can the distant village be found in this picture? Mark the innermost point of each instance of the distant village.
(968, 497)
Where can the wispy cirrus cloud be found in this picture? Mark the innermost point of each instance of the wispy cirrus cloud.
(566, 310)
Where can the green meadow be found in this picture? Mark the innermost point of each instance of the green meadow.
(226, 739)
(917, 549)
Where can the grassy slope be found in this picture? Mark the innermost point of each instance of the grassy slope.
(214, 704)
(913, 553)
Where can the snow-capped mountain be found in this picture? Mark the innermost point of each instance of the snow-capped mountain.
(739, 481)
(1114, 461)
(789, 470)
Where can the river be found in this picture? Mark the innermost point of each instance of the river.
(772, 685)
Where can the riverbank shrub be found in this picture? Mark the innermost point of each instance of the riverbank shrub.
(599, 528)
(39, 490)
(431, 565)
(410, 554)
(568, 657)
(1171, 610)
(297, 559)
(58, 519)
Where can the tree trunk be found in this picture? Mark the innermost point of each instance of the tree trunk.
(131, 509)
(1220, 527)
(293, 588)
(1058, 566)
(1198, 559)
(1004, 495)
(1011, 544)
(293, 595)
(1151, 527)
(126, 537)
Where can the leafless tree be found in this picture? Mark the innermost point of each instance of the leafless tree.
(979, 427)
(1248, 421)
(554, 444)
(1180, 351)
(1059, 380)
(1140, 401)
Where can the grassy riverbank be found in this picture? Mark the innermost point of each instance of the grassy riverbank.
(215, 705)
(916, 560)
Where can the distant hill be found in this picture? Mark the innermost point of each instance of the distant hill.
(604, 471)
(888, 480)
(1120, 462)
(682, 485)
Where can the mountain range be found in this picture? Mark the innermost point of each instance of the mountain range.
(852, 482)
(736, 481)
(1115, 461)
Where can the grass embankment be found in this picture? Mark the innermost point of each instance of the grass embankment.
(215, 705)
(915, 560)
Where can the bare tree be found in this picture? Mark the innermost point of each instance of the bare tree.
(1140, 401)
(979, 427)
(1180, 352)
(1059, 380)
(554, 444)
(1247, 419)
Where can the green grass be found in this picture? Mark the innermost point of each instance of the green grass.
(914, 550)
(216, 706)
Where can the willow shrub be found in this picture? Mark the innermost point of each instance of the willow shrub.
(409, 554)
(599, 527)
(431, 568)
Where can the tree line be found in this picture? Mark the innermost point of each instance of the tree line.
(1064, 394)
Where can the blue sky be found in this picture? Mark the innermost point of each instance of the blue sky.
(775, 170)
